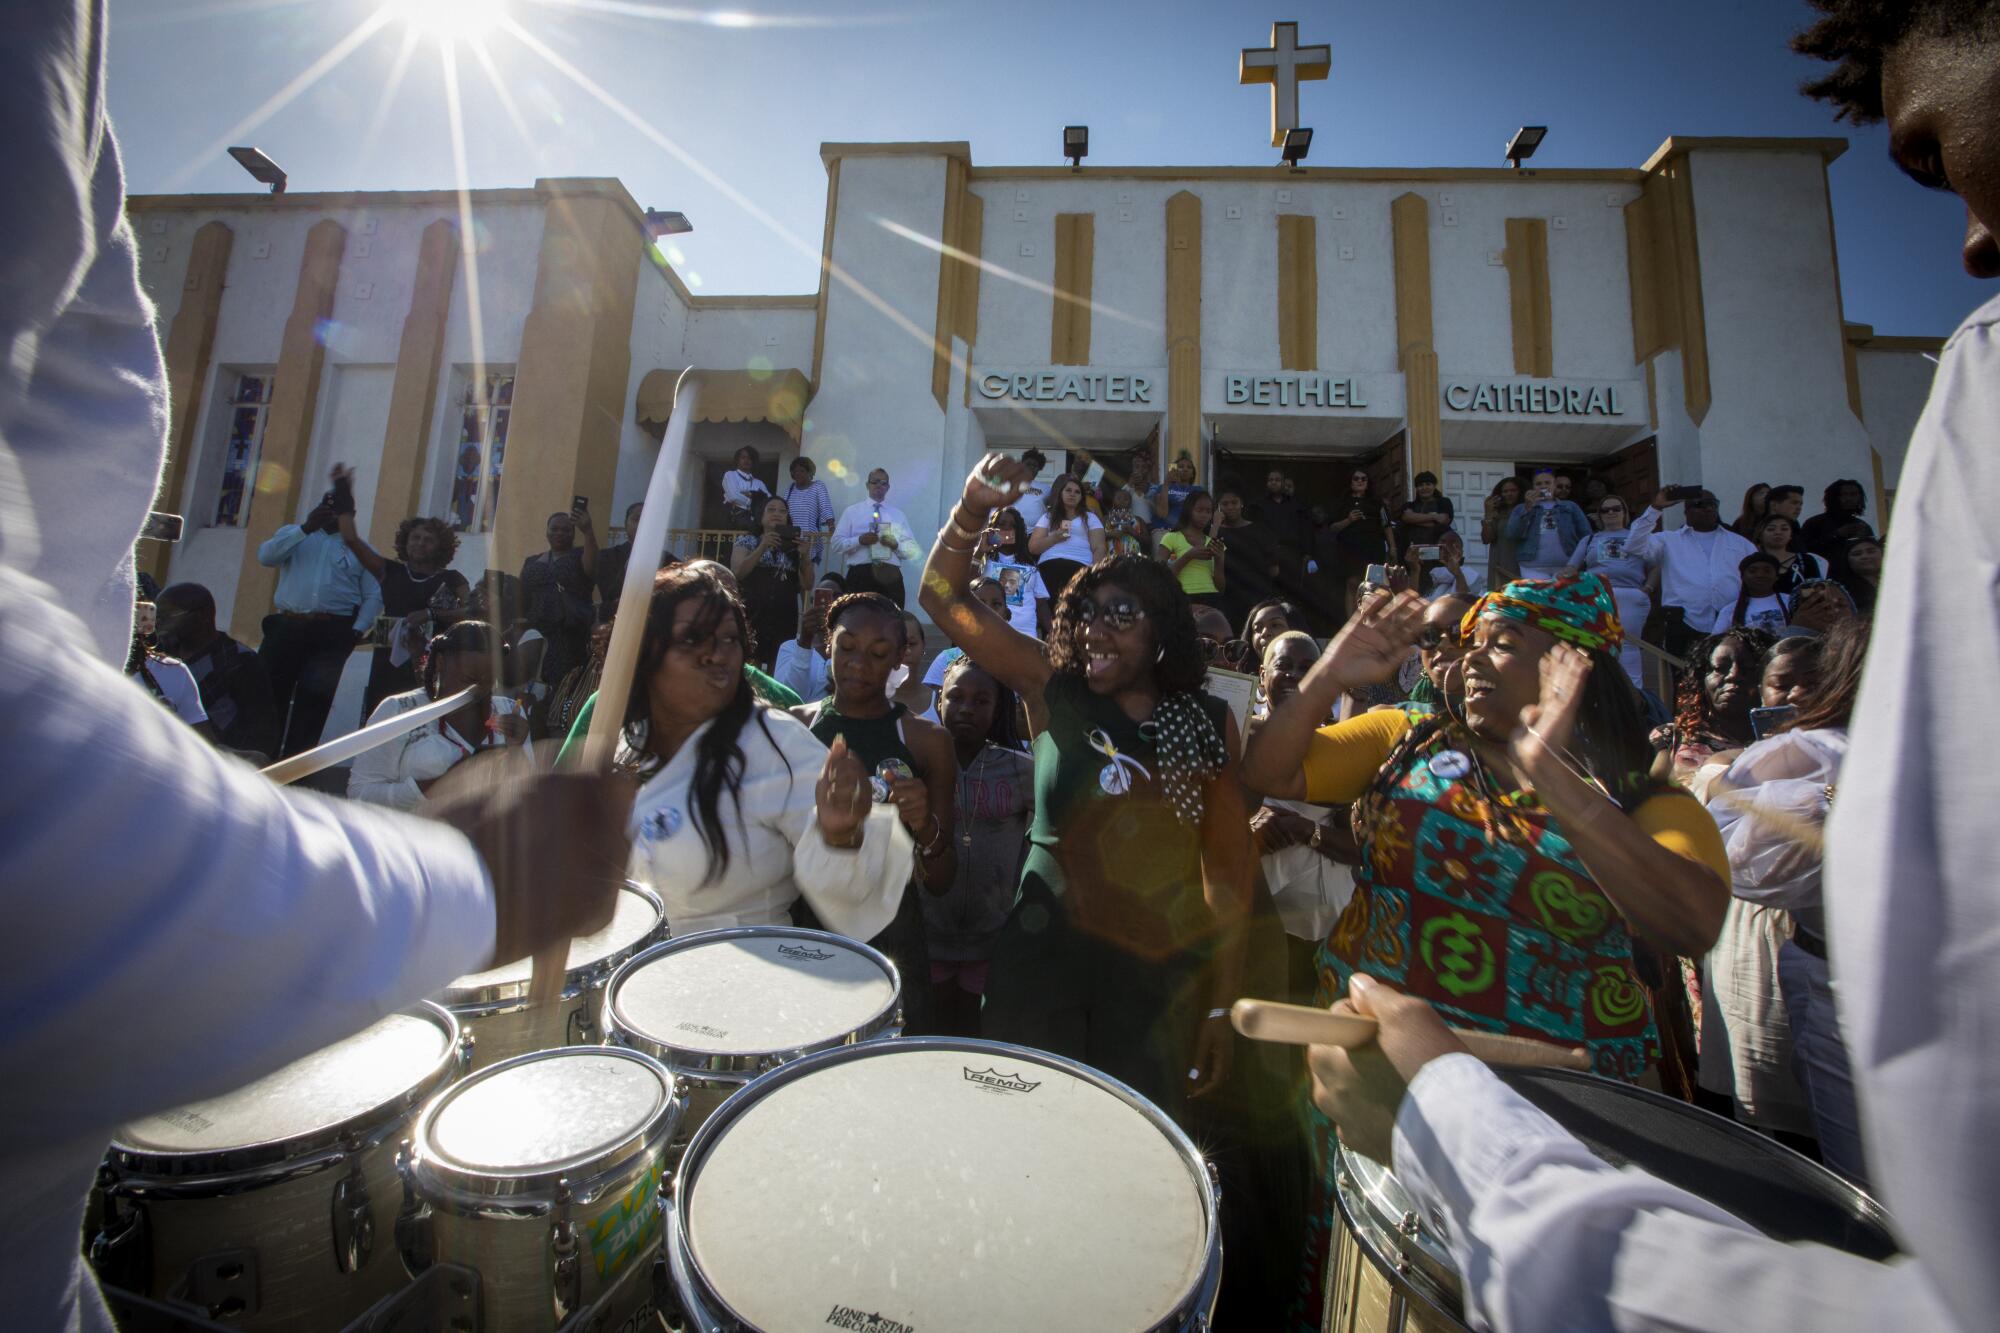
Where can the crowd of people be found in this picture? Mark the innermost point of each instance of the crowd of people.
(1445, 797)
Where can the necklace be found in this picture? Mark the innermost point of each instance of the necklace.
(970, 771)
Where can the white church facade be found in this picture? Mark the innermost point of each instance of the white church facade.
(1675, 321)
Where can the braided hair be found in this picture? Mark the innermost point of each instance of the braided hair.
(1191, 751)
(1693, 718)
(1006, 729)
(1856, 37)
(467, 636)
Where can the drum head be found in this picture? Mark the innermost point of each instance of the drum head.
(575, 1111)
(353, 1085)
(750, 991)
(1738, 1170)
(945, 1185)
(637, 916)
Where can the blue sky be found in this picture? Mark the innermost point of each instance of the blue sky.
(1415, 83)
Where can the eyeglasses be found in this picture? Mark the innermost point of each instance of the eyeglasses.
(1611, 509)
(1232, 651)
(1119, 614)
(1438, 636)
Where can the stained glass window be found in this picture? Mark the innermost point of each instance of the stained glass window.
(485, 406)
(249, 406)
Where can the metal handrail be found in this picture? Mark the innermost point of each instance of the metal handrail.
(716, 543)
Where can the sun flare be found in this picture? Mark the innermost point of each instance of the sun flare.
(462, 20)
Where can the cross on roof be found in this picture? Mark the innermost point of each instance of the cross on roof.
(1282, 64)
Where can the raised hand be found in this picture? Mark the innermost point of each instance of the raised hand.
(1375, 643)
(996, 482)
(843, 796)
(1546, 726)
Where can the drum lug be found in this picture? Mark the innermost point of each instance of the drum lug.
(565, 1268)
(466, 1043)
(582, 1028)
(353, 1219)
(1408, 1224)
(414, 1238)
(118, 1252)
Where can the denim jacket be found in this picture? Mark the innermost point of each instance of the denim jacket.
(1525, 527)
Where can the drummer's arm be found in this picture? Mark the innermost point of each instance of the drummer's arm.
(1564, 1240)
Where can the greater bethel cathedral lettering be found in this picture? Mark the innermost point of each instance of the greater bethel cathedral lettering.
(1568, 400)
(1053, 386)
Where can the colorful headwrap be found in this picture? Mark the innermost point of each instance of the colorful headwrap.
(1576, 610)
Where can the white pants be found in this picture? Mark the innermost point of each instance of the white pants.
(1633, 607)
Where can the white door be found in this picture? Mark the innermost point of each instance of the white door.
(1466, 485)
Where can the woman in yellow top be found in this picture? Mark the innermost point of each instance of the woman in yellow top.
(1512, 843)
(1194, 553)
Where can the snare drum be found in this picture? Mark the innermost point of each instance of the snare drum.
(542, 1173)
(933, 1184)
(493, 1006)
(274, 1206)
(1392, 1271)
(721, 1007)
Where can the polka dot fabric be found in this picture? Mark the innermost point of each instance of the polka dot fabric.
(1190, 752)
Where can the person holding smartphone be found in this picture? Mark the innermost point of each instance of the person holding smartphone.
(419, 590)
(774, 571)
(1067, 538)
(1362, 533)
(1546, 527)
(1699, 578)
(1195, 554)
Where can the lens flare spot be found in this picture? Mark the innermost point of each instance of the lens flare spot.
(273, 478)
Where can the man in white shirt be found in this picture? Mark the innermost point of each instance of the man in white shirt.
(743, 492)
(1699, 581)
(179, 925)
(873, 541)
(1557, 1238)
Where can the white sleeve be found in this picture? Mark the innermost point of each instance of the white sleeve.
(1645, 539)
(377, 776)
(1553, 1237)
(854, 892)
(794, 666)
(193, 926)
(1774, 833)
(845, 540)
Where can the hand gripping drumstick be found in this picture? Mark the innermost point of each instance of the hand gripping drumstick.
(1298, 1025)
(621, 657)
(307, 762)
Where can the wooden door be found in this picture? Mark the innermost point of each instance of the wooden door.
(1467, 483)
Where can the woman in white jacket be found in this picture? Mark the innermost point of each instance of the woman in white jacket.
(400, 773)
(741, 811)
(1771, 806)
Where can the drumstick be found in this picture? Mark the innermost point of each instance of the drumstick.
(1298, 1025)
(621, 657)
(307, 762)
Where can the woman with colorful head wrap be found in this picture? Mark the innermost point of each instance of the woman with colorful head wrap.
(1513, 842)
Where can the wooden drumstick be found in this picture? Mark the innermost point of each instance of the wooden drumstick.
(307, 762)
(1299, 1025)
(621, 657)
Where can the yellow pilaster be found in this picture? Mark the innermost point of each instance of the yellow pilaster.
(1184, 328)
(288, 426)
(1069, 321)
(190, 342)
(574, 368)
(950, 233)
(1298, 292)
(413, 397)
(1527, 257)
(1410, 226)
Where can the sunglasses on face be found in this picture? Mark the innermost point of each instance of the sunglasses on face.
(1611, 509)
(1439, 636)
(1120, 613)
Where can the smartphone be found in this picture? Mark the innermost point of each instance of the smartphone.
(385, 629)
(1768, 721)
(1378, 575)
(1425, 552)
(824, 597)
(788, 532)
(162, 527)
(1675, 494)
(577, 502)
(145, 617)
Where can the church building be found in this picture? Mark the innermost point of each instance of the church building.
(489, 357)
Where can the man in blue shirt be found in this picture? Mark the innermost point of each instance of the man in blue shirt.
(1546, 527)
(325, 602)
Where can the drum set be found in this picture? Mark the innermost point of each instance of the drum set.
(726, 1133)
(706, 1132)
